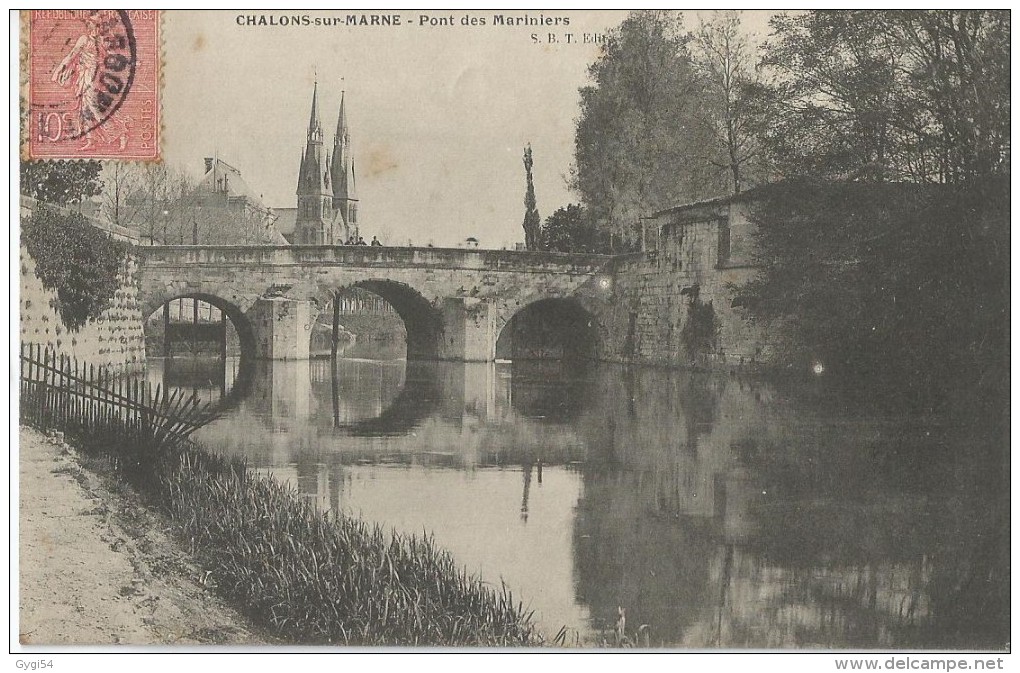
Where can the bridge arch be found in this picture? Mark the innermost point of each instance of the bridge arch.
(422, 321)
(556, 328)
(238, 318)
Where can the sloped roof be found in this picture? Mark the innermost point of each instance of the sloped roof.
(286, 220)
(877, 188)
(221, 172)
(715, 201)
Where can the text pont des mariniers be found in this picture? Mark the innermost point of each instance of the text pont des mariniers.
(422, 20)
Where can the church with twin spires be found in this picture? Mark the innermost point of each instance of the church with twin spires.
(327, 209)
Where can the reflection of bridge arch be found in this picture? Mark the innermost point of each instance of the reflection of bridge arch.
(231, 377)
(242, 325)
(422, 322)
(549, 329)
(417, 400)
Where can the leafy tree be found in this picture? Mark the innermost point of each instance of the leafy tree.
(570, 229)
(639, 144)
(887, 95)
(956, 65)
(532, 220)
(902, 283)
(76, 260)
(61, 182)
(725, 59)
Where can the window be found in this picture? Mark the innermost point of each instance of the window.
(724, 241)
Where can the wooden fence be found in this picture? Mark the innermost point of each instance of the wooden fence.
(60, 393)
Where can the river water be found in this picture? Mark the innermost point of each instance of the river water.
(708, 510)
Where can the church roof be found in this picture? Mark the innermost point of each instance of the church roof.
(341, 120)
(342, 164)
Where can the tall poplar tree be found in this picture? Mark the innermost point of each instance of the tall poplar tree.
(532, 221)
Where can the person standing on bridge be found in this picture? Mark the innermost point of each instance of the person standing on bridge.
(375, 242)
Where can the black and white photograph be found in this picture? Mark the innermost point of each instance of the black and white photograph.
(512, 331)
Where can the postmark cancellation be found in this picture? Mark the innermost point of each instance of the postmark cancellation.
(93, 84)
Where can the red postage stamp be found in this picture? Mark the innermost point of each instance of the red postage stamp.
(93, 85)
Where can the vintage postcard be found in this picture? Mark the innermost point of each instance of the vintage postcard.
(586, 330)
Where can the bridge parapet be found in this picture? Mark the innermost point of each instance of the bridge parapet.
(367, 256)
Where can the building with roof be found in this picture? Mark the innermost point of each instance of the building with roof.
(225, 210)
(220, 209)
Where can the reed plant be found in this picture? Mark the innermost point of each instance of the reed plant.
(328, 578)
(308, 577)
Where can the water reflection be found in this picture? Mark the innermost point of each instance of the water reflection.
(713, 511)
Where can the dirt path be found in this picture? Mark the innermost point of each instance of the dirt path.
(96, 568)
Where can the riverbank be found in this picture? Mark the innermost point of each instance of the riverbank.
(304, 577)
(96, 568)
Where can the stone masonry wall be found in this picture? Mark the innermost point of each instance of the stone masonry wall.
(654, 291)
(114, 339)
(640, 304)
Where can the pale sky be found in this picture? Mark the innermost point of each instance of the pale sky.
(439, 116)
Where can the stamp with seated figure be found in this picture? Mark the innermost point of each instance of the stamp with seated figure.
(93, 85)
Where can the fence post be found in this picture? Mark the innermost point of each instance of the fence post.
(92, 403)
(61, 396)
(45, 387)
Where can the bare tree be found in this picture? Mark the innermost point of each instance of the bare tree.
(725, 57)
(152, 198)
(121, 181)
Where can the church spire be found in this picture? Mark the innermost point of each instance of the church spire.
(342, 170)
(313, 224)
(341, 122)
(314, 125)
(342, 164)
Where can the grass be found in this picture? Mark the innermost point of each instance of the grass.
(326, 578)
(309, 577)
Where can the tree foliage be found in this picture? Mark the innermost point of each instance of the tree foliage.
(725, 59)
(887, 95)
(532, 220)
(639, 144)
(569, 229)
(74, 259)
(904, 282)
(61, 182)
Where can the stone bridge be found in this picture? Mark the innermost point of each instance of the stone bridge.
(454, 303)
